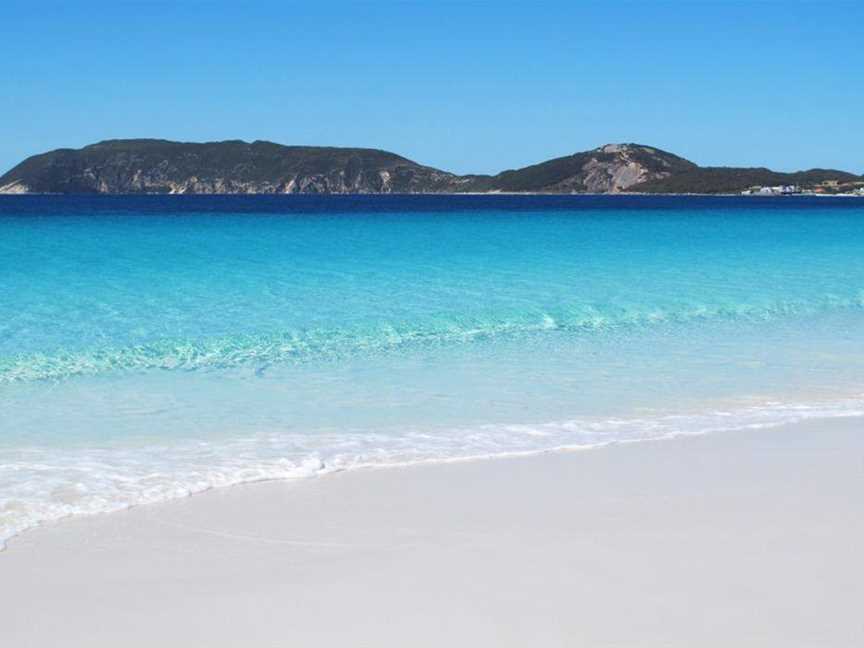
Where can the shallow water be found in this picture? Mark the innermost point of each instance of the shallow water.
(152, 347)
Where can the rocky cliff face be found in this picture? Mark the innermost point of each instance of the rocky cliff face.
(618, 167)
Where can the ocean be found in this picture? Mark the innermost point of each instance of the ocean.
(154, 347)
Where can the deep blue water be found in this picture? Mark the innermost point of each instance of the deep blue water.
(155, 346)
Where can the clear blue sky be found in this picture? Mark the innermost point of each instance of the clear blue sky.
(473, 87)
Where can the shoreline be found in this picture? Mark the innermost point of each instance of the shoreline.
(626, 194)
(318, 466)
(608, 546)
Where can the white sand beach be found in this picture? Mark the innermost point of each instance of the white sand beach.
(735, 539)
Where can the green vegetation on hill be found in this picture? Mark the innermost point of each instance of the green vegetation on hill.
(534, 177)
(160, 166)
(234, 166)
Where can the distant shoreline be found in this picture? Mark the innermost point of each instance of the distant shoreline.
(442, 194)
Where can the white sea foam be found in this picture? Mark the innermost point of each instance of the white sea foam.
(43, 484)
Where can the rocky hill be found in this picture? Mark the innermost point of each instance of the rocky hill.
(232, 167)
(236, 167)
(609, 169)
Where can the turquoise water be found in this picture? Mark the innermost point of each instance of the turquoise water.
(154, 347)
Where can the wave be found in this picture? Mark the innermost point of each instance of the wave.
(261, 351)
(42, 484)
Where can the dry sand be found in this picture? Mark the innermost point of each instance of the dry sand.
(736, 539)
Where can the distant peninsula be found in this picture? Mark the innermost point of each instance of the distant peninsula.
(150, 166)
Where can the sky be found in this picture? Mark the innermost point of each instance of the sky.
(463, 86)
